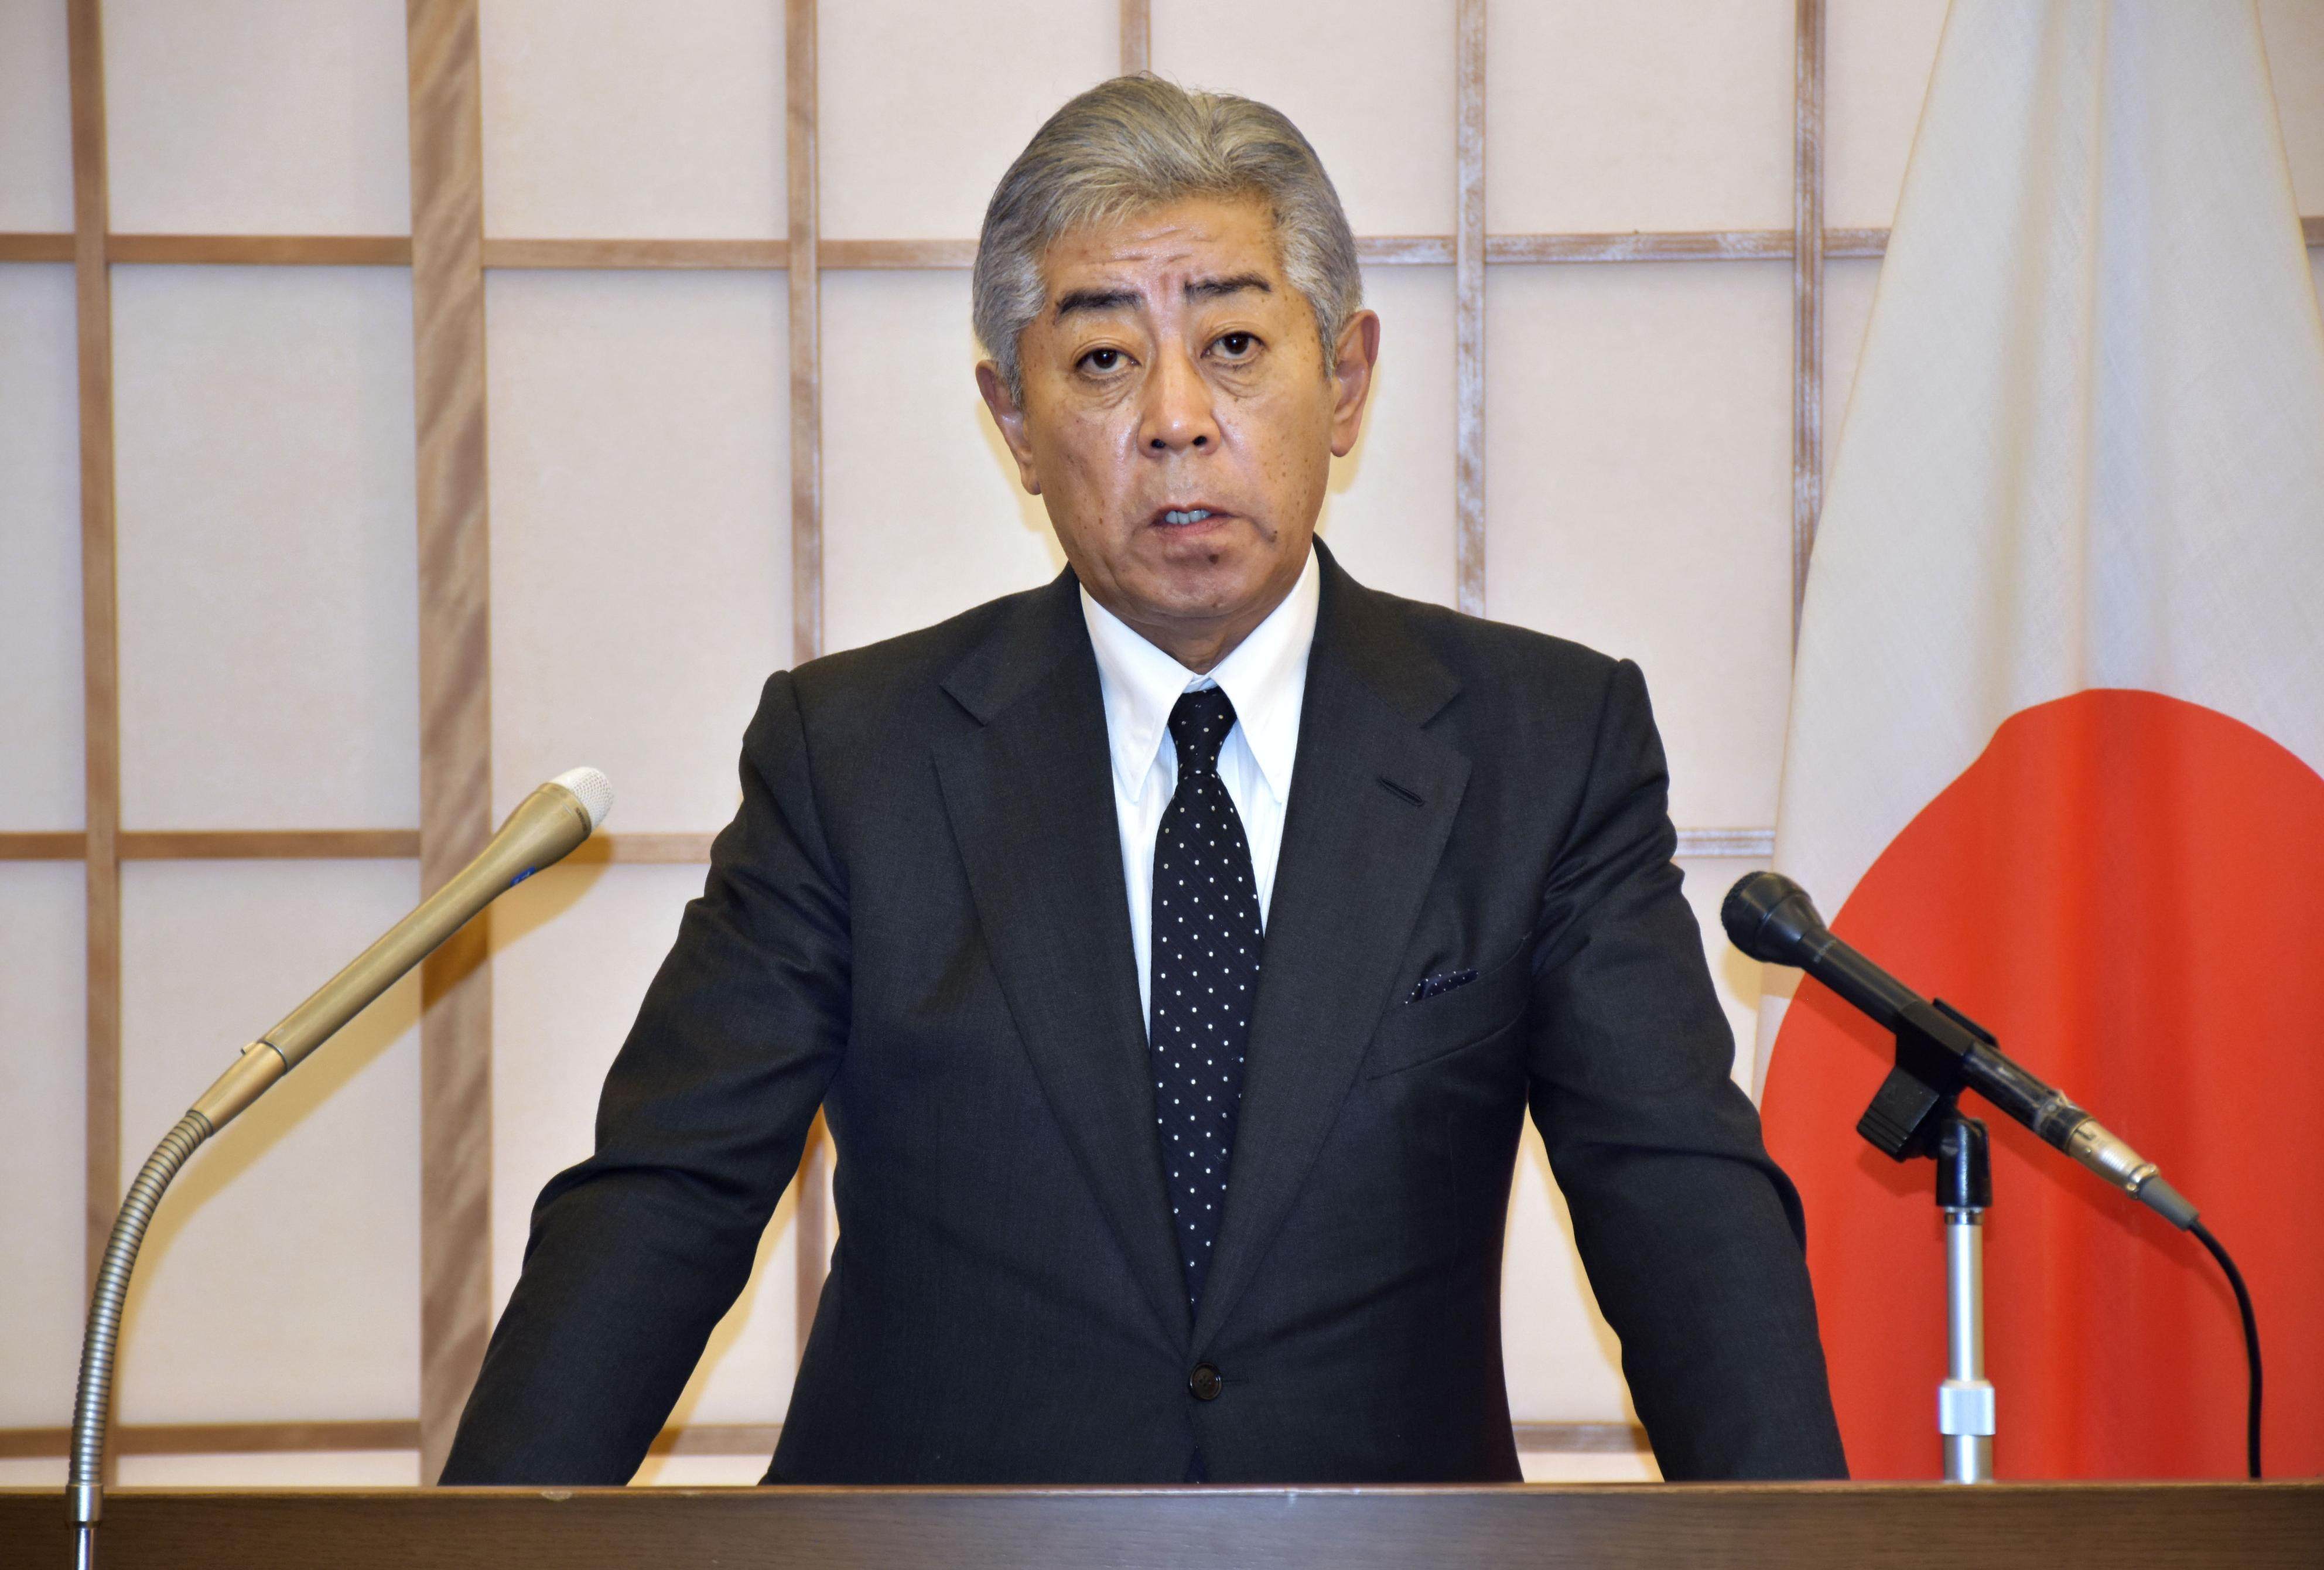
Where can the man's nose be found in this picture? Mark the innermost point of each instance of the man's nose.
(1178, 416)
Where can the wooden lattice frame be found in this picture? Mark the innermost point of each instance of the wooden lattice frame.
(448, 255)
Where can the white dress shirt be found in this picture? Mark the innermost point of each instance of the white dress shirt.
(1265, 678)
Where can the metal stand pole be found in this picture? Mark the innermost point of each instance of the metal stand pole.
(1965, 1400)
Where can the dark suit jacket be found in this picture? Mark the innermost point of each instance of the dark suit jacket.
(917, 921)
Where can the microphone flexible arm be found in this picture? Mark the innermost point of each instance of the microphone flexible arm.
(545, 826)
(84, 1493)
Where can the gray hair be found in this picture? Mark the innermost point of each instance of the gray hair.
(1139, 141)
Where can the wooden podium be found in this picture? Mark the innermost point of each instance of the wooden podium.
(1791, 1526)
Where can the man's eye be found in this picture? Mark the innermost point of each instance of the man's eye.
(1103, 360)
(1237, 346)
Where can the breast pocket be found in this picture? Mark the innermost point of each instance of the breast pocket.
(1414, 1034)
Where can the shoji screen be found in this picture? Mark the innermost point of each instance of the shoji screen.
(402, 403)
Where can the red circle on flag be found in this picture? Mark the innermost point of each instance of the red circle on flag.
(2128, 891)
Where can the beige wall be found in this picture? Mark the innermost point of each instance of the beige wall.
(1638, 421)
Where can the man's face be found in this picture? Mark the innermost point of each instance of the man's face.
(1179, 419)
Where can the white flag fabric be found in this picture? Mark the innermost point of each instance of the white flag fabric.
(2056, 738)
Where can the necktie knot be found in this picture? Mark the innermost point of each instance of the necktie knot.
(1199, 724)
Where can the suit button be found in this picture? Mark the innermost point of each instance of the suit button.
(1206, 1382)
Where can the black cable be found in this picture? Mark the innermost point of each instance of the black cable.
(2251, 1337)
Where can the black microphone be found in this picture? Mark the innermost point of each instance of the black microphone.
(1770, 918)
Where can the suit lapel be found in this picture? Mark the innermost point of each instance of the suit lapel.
(1030, 798)
(1372, 802)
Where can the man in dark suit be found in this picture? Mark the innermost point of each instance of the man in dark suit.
(1175, 951)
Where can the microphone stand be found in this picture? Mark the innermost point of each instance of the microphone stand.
(1940, 1052)
(542, 829)
(1965, 1400)
(260, 1066)
(1916, 1114)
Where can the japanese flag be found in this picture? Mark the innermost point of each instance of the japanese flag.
(2055, 743)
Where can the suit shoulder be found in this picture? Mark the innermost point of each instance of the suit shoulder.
(875, 678)
(1528, 700)
(1498, 654)
(859, 705)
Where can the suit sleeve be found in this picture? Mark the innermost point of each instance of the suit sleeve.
(636, 1253)
(1691, 1235)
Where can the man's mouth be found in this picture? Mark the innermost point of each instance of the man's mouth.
(1180, 517)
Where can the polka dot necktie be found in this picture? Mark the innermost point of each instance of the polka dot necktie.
(1206, 942)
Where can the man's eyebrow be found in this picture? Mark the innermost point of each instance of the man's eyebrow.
(1075, 299)
(1212, 288)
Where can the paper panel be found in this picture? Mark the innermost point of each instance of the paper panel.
(43, 1471)
(36, 193)
(641, 507)
(1877, 56)
(1638, 442)
(258, 117)
(269, 569)
(701, 1471)
(923, 515)
(1552, 1467)
(1652, 115)
(43, 999)
(924, 106)
(40, 765)
(281, 1282)
(1369, 83)
(1389, 515)
(573, 952)
(1562, 1360)
(604, 119)
(291, 1469)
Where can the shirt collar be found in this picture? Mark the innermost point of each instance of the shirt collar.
(1265, 678)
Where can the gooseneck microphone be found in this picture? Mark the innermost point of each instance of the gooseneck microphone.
(545, 827)
(1771, 918)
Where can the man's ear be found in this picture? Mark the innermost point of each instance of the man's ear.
(1352, 359)
(1010, 419)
